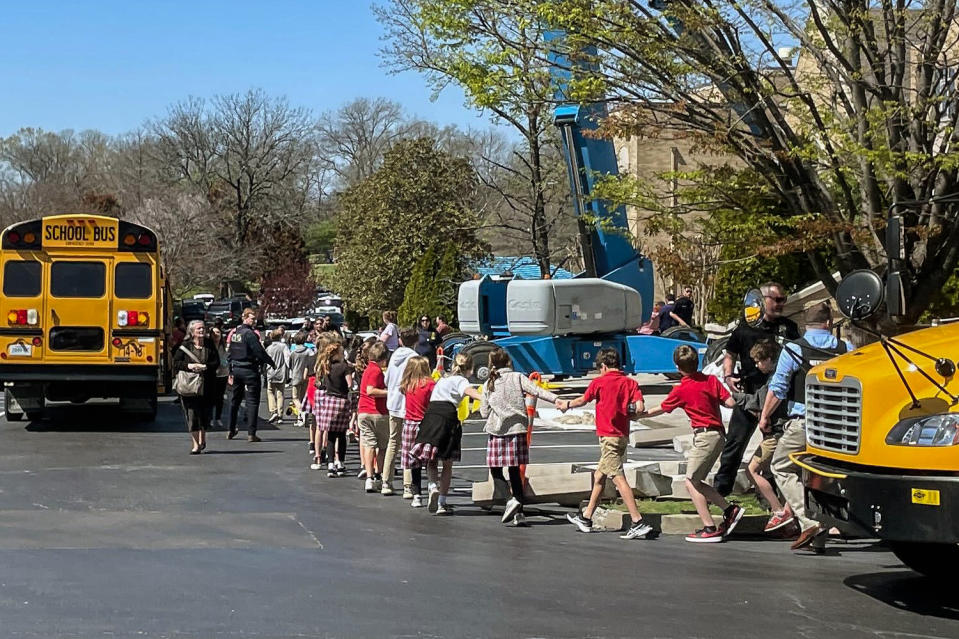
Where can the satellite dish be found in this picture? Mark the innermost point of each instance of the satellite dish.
(860, 294)
(753, 307)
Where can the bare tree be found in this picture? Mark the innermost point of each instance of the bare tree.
(354, 138)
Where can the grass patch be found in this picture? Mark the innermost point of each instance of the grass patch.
(683, 507)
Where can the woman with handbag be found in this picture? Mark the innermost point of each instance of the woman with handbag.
(195, 363)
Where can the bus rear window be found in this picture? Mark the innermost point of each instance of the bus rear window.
(21, 279)
(76, 338)
(78, 279)
(133, 281)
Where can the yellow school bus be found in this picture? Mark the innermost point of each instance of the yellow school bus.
(83, 314)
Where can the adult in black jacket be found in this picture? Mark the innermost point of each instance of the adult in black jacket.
(427, 340)
(773, 327)
(197, 354)
(246, 356)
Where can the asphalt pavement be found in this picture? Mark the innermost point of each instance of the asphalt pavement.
(111, 529)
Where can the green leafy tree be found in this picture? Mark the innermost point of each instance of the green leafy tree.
(420, 198)
(433, 287)
(865, 118)
(491, 50)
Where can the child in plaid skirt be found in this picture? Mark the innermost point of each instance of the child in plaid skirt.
(333, 411)
(507, 421)
(416, 385)
(440, 433)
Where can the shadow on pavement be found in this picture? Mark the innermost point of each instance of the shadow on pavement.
(908, 591)
(260, 451)
(106, 419)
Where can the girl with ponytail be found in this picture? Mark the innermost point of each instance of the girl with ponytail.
(504, 407)
(333, 411)
(417, 386)
(440, 433)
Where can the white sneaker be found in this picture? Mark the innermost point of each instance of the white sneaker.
(417, 502)
(361, 474)
(434, 500)
(330, 471)
(511, 507)
(316, 466)
(387, 488)
(369, 485)
(377, 485)
(444, 509)
(407, 491)
(219, 423)
(519, 520)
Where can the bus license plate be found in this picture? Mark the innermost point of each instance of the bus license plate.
(20, 350)
(925, 497)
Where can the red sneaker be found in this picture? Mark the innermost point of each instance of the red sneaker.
(778, 521)
(705, 536)
(731, 517)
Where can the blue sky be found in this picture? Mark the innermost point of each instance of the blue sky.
(111, 65)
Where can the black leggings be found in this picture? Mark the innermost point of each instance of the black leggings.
(515, 481)
(417, 477)
(334, 437)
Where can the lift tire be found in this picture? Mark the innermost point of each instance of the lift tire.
(452, 343)
(479, 351)
(935, 561)
(715, 349)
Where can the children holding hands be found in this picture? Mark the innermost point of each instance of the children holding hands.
(700, 396)
(618, 399)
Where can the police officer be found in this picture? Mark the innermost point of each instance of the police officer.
(788, 384)
(773, 327)
(246, 356)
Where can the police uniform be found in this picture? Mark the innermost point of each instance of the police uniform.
(246, 355)
(742, 424)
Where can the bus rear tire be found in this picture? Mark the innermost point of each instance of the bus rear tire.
(935, 561)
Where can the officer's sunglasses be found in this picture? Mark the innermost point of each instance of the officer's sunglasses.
(778, 300)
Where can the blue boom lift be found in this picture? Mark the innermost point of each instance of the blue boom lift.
(557, 326)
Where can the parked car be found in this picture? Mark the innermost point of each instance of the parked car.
(206, 298)
(192, 310)
(228, 310)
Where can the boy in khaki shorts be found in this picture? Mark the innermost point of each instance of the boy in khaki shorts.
(700, 396)
(618, 398)
(373, 417)
(766, 354)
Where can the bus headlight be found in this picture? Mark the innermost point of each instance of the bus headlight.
(932, 430)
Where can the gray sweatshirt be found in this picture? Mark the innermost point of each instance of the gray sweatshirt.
(280, 354)
(505, 407)
(302, 362)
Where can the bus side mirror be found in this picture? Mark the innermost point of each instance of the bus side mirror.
(860, 294)
(753, 307)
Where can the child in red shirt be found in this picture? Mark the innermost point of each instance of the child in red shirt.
(373, 417)
(701, 396)
(417, 386)
(618, 398)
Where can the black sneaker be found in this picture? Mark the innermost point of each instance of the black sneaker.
(731, 517)
(583, 524)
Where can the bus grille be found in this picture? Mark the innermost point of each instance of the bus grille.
(834, 415)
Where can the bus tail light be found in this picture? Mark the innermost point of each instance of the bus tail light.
(23, 317)
(117, 342)
(133, 318)
(37, 341)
